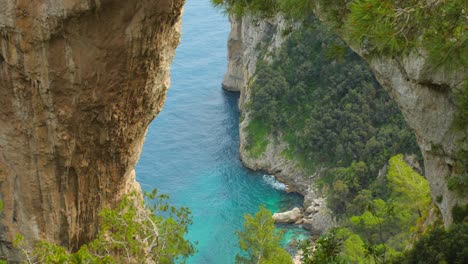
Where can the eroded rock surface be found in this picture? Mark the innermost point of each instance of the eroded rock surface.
(424, 94)
(250, 35)
(288, 217)
(80, 81)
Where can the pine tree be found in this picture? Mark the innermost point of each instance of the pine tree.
(260, 241)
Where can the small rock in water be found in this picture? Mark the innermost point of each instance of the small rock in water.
(288, 216)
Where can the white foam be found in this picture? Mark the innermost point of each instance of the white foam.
(270, 180)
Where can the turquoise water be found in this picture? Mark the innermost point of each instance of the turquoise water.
(191, 150)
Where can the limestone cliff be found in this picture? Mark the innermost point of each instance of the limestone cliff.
(423, 93)
(250, 39)
(80, 81)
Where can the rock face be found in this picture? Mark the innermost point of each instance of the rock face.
(250, 36)
(288, 217)
(247, 35)
(80, 81)
(424, 95)
(317, 217)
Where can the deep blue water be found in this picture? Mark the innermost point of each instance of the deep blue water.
(191, 150)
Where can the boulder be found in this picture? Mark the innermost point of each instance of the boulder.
(288, 217)
(311, 210)
(298, 222)
(319, 222)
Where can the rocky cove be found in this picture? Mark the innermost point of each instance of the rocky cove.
(253, 39)
(80, 82)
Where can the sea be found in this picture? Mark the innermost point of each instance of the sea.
(191, 149)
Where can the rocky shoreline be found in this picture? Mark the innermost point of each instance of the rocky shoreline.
(249, 39)
(314, 215)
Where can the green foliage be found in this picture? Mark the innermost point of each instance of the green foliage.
(240, 8)
(354, 250)
(408, 185)
(437, 27)
(257, 138)
(381, 227)
(323, 100)
(327, 250)
(131, 227)
(130, 233)
(260, 241)
(460, 213)
(381, 27)
(458, 183)
(384, 228)
(439, 246)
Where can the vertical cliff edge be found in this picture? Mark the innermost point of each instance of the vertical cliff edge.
(80, 81)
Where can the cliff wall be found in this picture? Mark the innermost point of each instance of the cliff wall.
(248, 40)
(80, 81)
(425, 96)
(249, 36)
(252, 39)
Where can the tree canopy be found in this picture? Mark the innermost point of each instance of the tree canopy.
(130, 233)
(260, 241)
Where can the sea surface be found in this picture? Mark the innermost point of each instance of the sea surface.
(191, 149)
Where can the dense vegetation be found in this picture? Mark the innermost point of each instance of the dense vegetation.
(130, 233)
(439, 246)
(323, 100)
(260, 241)
(383, 27)
(381, 230)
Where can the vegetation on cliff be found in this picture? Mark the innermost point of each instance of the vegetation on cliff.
(437, 27)
(130, 233)
(383, 229)
(260, 241)
(322, 99)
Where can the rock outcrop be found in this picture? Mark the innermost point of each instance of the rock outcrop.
(248, 37)
(317, 217)
(288, 217)
(80, 81)
(424, 94)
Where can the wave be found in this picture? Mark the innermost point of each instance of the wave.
(270, 180)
